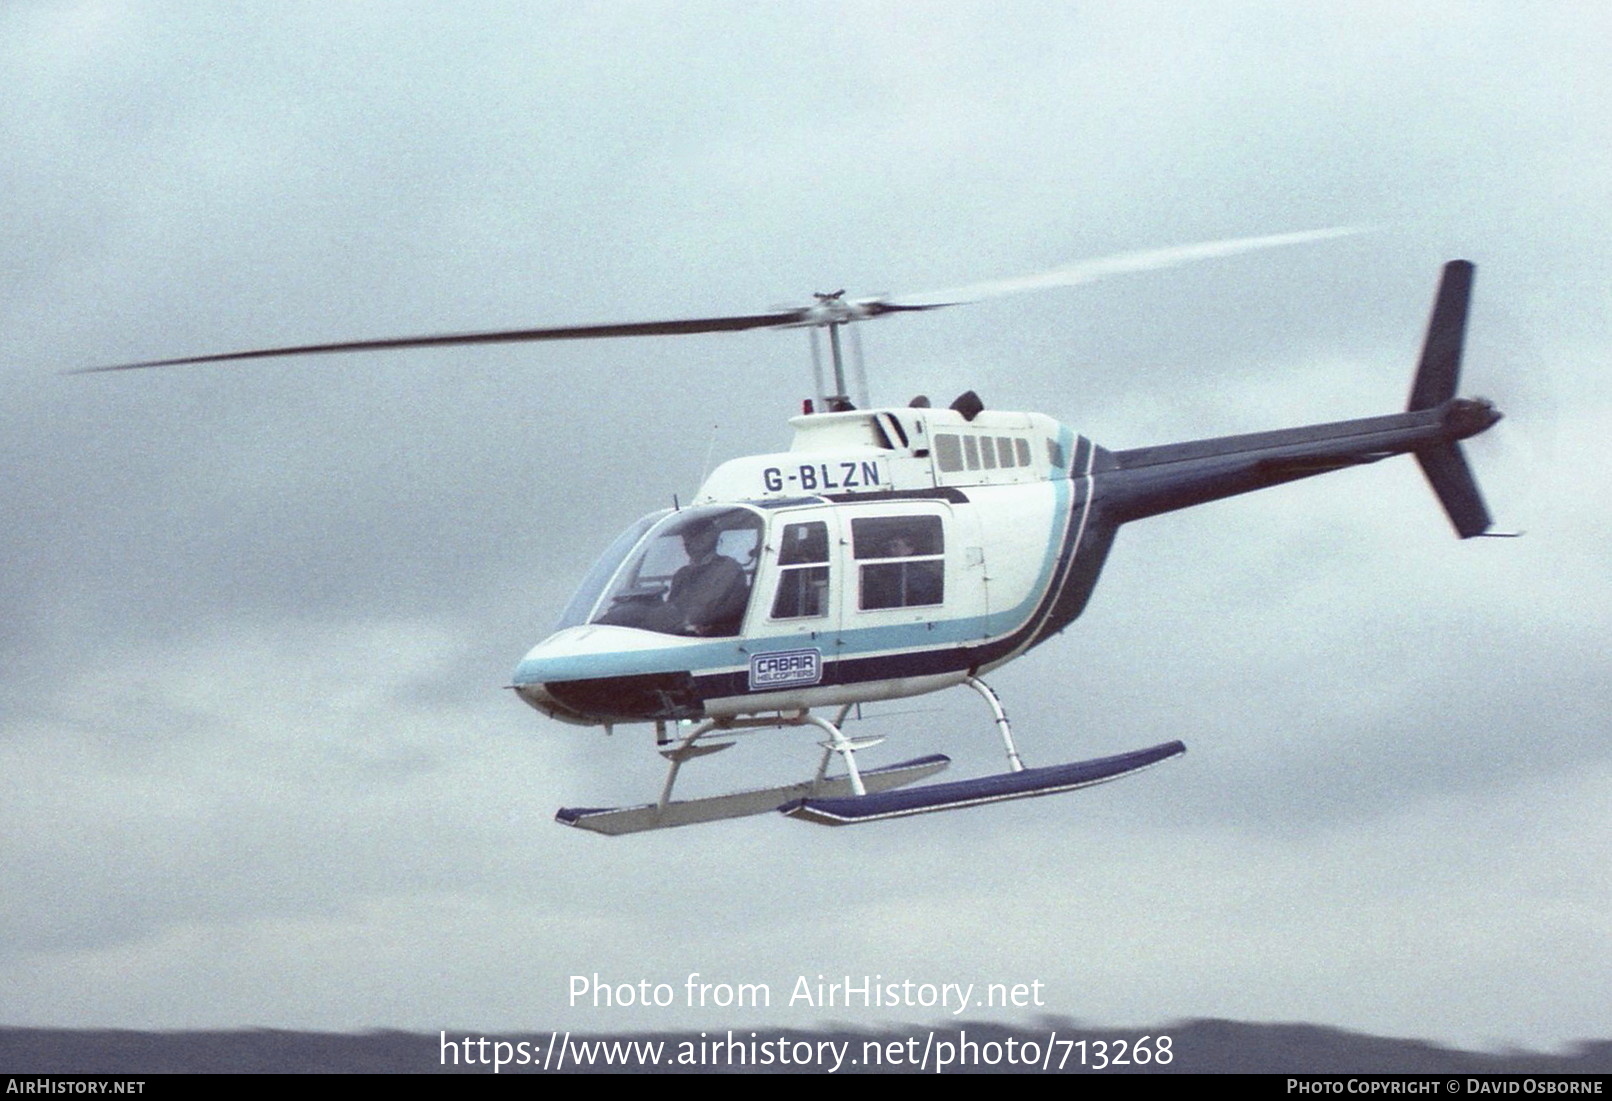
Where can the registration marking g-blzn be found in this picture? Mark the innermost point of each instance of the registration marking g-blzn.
(862, 474)
(784, 668)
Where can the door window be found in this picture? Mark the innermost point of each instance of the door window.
(901, 561)
(803, 574)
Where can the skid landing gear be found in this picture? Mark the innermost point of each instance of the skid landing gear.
(1017, 783)
(666, 813)
(858, 795)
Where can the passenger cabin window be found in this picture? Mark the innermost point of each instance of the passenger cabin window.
(803, 579)
(902, 561)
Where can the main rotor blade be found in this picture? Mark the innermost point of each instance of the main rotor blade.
(507, 336)
(829, 310)
(1086, 271)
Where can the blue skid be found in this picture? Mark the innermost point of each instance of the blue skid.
(988, 789)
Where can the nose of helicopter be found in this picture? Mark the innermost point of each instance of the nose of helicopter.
(538, 697)
(599, 673)
(568, 655)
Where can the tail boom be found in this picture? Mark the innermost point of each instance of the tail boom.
(1151, 480)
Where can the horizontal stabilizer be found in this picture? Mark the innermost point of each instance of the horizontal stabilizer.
(618, 820)
(972, 793)
(1457, 490)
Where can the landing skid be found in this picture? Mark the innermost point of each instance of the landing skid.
(688, 812)
(857, 796)
(1024, 784)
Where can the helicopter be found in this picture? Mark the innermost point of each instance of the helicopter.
(895, 552)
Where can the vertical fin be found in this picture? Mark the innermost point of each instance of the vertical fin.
(1437, 376)
(1457, 490)
(1440, 370)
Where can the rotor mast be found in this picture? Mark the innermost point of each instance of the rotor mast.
(832, 312)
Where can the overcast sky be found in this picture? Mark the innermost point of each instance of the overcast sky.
(256, 763)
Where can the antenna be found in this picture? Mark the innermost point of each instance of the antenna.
(709, 448)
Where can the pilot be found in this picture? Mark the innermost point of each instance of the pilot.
(710, 592)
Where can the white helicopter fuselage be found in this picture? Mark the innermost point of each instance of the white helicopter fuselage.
(889, 553)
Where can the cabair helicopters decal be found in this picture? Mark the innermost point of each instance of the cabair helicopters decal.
(892, 552)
